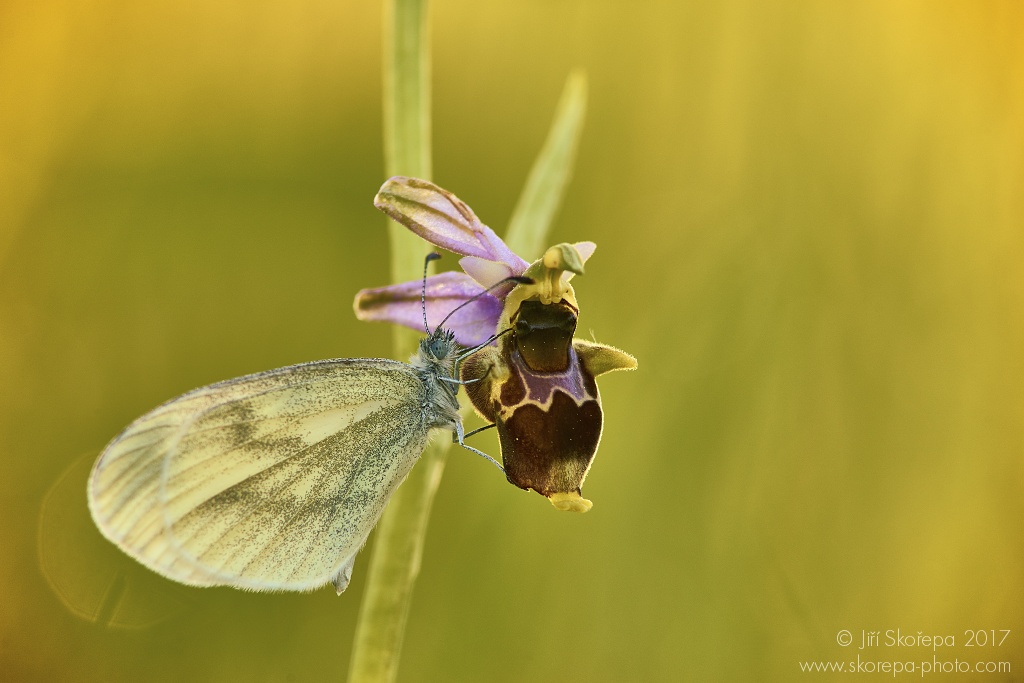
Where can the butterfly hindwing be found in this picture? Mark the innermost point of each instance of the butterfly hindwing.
(265, 482)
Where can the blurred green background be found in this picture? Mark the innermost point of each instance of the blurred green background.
(809, 224)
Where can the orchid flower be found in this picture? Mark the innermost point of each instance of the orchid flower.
(444, 220)
(536, 385)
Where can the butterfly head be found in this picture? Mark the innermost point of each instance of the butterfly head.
(440, 346)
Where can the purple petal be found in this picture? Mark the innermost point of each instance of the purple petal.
(442, 219)
(473, 324)
(489, 273)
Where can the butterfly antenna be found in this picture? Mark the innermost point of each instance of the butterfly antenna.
(518, 279)
(432, 256)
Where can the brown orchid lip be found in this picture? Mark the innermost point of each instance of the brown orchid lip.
(550, 449)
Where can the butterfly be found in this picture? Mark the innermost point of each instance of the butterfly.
(273, 481)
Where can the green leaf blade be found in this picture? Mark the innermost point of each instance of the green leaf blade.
(551, 172)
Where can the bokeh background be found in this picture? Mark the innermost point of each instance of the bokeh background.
(810, 228)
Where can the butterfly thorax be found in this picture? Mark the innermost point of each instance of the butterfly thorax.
(435, 361)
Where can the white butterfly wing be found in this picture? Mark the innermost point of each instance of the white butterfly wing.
(271, 481)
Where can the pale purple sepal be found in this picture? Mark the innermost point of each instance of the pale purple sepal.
(485, 272)
(442, 219)
(400, 304)
(488, 273)
(585, 249)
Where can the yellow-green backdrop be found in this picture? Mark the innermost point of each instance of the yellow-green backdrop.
(810, 229)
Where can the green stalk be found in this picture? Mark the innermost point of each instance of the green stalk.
(398, 547)
(406, 126)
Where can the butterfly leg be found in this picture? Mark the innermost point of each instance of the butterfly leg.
(459, 437)
(480, 347)
(455, 381)
(475, 431)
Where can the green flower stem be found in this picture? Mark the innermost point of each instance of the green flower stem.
(398, 546)
(406, 126)
(394, 566)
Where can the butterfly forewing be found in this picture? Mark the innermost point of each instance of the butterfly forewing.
(270, 481)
